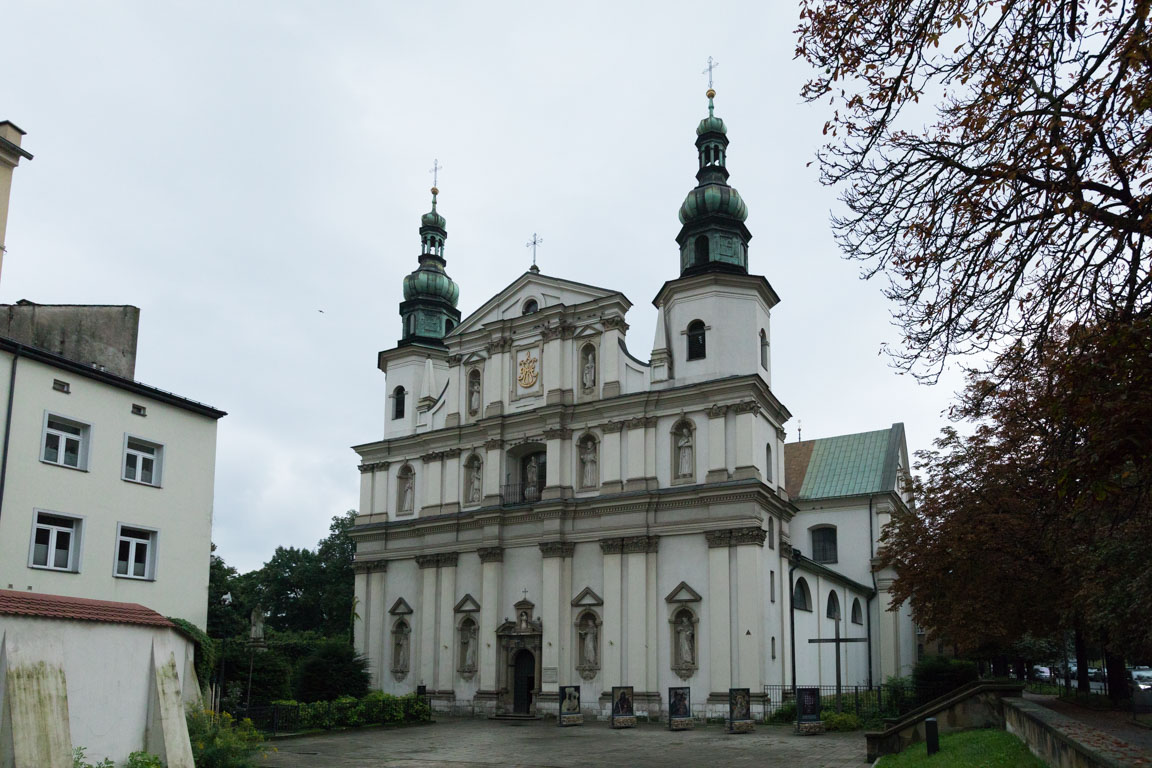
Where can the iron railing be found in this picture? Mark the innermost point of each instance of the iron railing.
(869, 703)
(521, 493)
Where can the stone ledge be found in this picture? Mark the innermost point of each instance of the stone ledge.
(1060, 740)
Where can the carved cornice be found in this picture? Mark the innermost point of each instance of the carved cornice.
(557, 548)
(781, 434)
(369, 566)
(426, 561)
(612, 426)
(717, 539)
(558, 433)
(455, 359)
(747, 406)
(717, 411)
(749, 536)
(560, 330)
(429, 458)
(611, 546)
(447, 559)
(499, 344)
(494, 444)
(615, 324)
(491, 554)
(373, 466)
(636, 423)
(629, 545)
(452, 453)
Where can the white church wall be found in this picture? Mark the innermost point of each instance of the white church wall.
(807, 626)
(402, 581)
(522, 571)
(850, 519)
(684, 558)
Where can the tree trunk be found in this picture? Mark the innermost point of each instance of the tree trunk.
(1117, 685)
(1082, 683)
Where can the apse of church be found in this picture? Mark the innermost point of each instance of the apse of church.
(546, 509)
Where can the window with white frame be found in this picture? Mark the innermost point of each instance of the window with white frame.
(56, 542)
(65, 442)
(135, 553)
(143, 461)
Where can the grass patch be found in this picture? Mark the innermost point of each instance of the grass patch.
(989, 748)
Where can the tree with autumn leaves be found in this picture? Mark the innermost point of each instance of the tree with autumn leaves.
(994, 166)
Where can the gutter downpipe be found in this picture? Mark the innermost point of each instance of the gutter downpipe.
(8, 424)
(875, 591)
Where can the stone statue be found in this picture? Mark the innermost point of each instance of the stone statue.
(588, 460)
(588, 644)
(589, 376)
(685, 640)
(684, 467)
(531, 479)
(256, 635)
(406, 495)
(468, 641)
(400, 649)
(523, 620)
(474, 482)
(474, 396)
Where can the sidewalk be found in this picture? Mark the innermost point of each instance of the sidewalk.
(1108, 730)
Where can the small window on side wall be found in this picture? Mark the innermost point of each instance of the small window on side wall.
(833, 611)
(65, 442)
(763, 349)
(696, 344)
(857, 614)
(143, 461)
(802, 596)
(824, 545)
(56, 542)
(530, 306)
(398, 396)
(135, 553)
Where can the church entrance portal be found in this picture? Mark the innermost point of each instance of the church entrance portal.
(524, 682)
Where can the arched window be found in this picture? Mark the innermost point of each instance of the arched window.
(700, 252)
(448, 326)
(857, 614)
(768, 463)
(763, 349)
(802, 596)
(833, 610)
(398, 395)
(696, 345)
(824, 544)
(530, 306)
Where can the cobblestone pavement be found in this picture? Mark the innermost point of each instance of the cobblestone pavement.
(1112, 732)
(474, 742)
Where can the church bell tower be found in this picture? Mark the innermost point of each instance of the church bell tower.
(429, 310)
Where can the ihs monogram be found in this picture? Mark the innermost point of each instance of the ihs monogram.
(527, 376)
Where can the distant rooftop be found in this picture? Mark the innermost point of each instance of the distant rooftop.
(14, 603)
(844, 465)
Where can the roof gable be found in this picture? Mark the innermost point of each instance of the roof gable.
(844, 465)
(547, 290)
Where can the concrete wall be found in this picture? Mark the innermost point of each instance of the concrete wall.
(97, 335)
(1055, 739)
(179, 510)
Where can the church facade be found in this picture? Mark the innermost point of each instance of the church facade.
(545, 509)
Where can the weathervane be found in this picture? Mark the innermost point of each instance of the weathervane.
(535, 241)
(435, 171)
(711, 66)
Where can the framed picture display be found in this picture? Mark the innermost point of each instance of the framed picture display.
(680, 708)
(623, 707)
(570, 706)
(808, 705)
(739, 710)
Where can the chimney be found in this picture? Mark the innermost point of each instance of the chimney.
(10, 154)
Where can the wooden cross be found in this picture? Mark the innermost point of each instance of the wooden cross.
(711, 66)
(838, 640)
(535, 241)
(435, 171)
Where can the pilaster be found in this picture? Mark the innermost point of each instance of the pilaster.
(433, 481)
(491, 566)
(553, 553)
(493, 455)
(554, 440)
(746, 416)
(376, 609)
(424, 649)
(610, 356)
(359, 625)
(453, 493)
(610, 462)
(446, 640)
(751, 645)
(719, 612)
(613, 599)
(717, 442)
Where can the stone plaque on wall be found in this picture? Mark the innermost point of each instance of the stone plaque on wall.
(549, 674)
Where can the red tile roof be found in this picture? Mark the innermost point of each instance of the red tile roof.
(78, 608)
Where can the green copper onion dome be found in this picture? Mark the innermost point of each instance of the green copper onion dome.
(430, 281)
(430, 296)
(711, 124)
(713, 198)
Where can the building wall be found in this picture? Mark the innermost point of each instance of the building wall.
(180, 510)
(99, 335)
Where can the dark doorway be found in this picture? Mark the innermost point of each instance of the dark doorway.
(524, 680)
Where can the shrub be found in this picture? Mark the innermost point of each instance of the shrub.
(221, 741)
(842, 721)
(331, 671)
(942, 674)
(144, 760)
(785, 713)
(78, 760)
(204, 655)
(271, 677)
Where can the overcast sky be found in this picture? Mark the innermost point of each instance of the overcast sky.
(251, 175)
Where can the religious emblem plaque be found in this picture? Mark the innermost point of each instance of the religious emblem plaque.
(570, 706)
(623, 711)
(740, 710)
(680, 709)
(808, 711)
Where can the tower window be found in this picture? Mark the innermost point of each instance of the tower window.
(696, 346)
(448, 326)
(530, 306)
(398, 396)
(763, 349)
(700, 255)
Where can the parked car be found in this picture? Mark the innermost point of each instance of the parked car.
(1096, 675)
(1041, 673)
(1141, 680)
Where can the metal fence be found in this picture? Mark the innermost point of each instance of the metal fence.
(869, 703)
(521, 493)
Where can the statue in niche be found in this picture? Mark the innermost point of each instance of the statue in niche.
(400, 648)
(523, 620)
(475, 480)
(685, 641)
(474, 395)
(588, 378)
(406, 493)
(468, 646)
(588, 642)
(684, 463)
(531, 479)
(590, 475)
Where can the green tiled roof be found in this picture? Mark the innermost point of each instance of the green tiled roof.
(852, 465)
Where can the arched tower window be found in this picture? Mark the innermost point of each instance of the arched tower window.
(763, 349)
(398, 397)
(700, 252)
(833, 610)
(768, 463)
(696, 346)
(857, 614)
(824, 544)
(448, 326)
(802, 596)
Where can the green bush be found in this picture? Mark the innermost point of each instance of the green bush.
(78, 760)
(348, 712)
(221, 741)
(271, 677)
(943, 674)
(204, 655)
(333, 670)
(144, 760)
(785, 713)
(842, 721)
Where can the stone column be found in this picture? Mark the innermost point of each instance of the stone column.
(359, 627)
(433, 482)
(553, 554)
(719, 612)
(610, 458)
(491, 563)
(381, 501)
(375, 609)
(746, 450)
(555, 439)
(446, 642)
(496, 381)
(423, 647)
(636, 550)
(636, 444)
(367, 476)
(453, 493)
(650, 423)
(564, 628)
(493, 455)
(553, 369)
(613, 599)
(717, 453)
(752, 647)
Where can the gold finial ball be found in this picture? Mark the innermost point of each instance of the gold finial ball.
(435, 191)
(711, 94)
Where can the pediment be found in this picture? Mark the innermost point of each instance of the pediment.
(400, 607)
(683, 594)
(472, 358)
(587, 597)
(467, 604)
(547, 290)
(587, 331)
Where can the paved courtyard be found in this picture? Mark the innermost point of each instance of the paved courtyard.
(473, 742)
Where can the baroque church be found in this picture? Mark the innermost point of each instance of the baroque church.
(547, 509)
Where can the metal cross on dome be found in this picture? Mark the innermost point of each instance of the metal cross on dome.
(435, 171)
(712, 64)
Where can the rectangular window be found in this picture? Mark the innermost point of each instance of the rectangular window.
(56, 542)
(142, 461)
(135, 553)
(824, 545)
(65, 442)
(772, 585)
